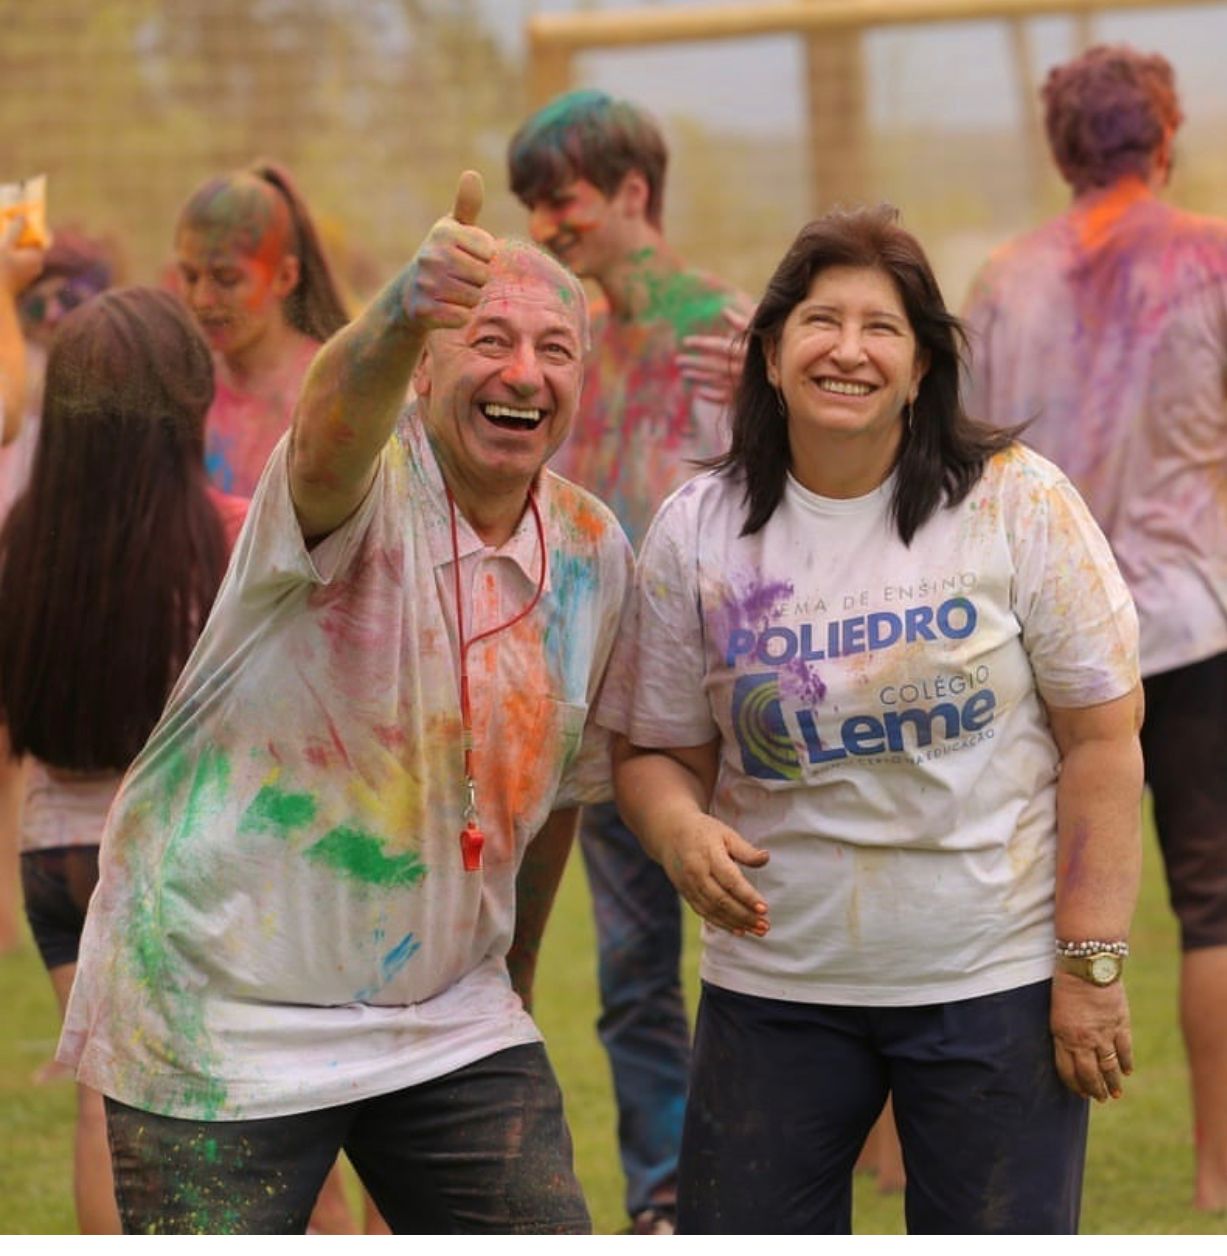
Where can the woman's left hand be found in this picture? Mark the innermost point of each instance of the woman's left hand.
(1090, 1036)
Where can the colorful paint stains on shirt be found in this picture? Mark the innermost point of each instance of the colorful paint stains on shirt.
(1106, 329)
(283, 920)
(639, 423)
(242, 427)
(879, 710)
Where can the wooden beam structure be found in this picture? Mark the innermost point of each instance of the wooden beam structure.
(834, 72)
(620, 28)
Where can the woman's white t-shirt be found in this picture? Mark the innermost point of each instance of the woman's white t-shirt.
(880, 711)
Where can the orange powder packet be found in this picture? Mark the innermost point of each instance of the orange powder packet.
(26, 199)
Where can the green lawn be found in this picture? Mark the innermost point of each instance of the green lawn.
(1138, 1177)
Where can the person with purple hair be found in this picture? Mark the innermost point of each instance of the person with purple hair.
(1106, 330)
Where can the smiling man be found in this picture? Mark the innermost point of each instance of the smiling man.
(591, 171)
(350, 822)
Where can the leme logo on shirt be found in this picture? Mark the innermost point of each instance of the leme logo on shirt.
(964, 706)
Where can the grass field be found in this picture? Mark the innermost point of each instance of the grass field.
(1138, 1176)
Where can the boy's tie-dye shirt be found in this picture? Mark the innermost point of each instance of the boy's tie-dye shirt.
(640, 424)
(1107, 329)
(283, 921)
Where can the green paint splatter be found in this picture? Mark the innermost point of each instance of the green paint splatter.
(360, 856)
(209, 785)
(174, 777)
(277, 812)
(683, 300)
(205, 1096)
(154, 904)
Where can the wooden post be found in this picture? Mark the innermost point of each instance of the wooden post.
(549, 67)
(1035, 146)
(838, 134)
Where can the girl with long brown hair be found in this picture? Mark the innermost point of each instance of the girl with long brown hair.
(109, 563)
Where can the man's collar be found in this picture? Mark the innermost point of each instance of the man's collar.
(521, 547)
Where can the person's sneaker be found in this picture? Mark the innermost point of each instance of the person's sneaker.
(653, 1221)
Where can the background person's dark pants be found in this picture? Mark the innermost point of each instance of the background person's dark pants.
(1184, 743)
(783, 1094)
(56, 885)
(482, 1150)
(643, 1025)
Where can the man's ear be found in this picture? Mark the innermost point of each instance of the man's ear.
(421, 372)
(285, 277)
(633, 194)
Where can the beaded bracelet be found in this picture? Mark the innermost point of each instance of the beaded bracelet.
(1076, 950)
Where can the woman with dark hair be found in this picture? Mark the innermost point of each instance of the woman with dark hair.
(253, 271)
(877, 706)
(109, 563)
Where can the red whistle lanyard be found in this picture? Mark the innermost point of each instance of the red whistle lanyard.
(472, 839)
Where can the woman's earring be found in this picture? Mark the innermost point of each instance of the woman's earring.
(907, 416)
(779, 404)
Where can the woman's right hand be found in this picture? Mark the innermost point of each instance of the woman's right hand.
(702, 860)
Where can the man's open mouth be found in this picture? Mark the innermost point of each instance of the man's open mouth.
(514, 418)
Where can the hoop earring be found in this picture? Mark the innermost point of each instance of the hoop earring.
(779, 404)
(908, 411)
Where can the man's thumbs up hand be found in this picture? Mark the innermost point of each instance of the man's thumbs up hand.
(443, 283)
(470, 192)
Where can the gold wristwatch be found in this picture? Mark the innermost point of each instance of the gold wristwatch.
(1100, 968)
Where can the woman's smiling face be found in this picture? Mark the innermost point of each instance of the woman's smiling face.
(846, 362)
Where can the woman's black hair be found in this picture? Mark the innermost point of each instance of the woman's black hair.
(943, 450)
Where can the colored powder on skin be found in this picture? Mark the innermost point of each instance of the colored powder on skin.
(360, 856)
(277, 812)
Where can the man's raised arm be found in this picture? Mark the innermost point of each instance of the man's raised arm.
(357, 385)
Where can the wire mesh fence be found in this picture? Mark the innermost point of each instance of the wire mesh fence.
(376, 104)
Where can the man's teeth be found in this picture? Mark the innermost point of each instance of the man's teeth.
(851, 388)
(517, 414)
